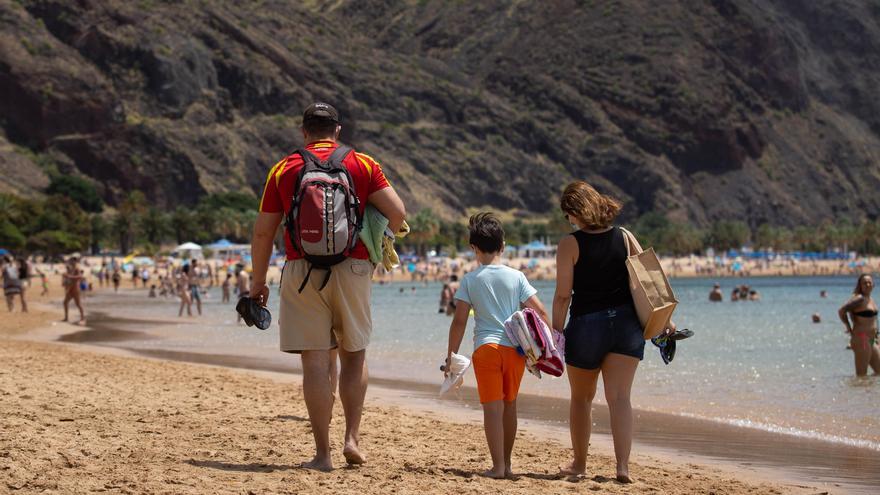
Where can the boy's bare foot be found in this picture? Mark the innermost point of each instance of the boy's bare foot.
(495, 473)
(571, 470)
(318, 464)
(353, 454)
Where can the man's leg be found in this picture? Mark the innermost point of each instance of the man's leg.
(319, 402)
(352, 390)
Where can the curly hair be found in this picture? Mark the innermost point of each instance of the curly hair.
(594, 210)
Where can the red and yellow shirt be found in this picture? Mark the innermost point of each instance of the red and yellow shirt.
(278, 194)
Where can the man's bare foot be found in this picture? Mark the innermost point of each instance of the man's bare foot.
(353, 454)
(624, 478)
(508, 473)
(318, 464)
(65, 319)
(495, 473)
(571, 470)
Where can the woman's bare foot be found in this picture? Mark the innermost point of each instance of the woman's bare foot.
(571, 469)
(318, 464)
(495, 473)
(353, 454)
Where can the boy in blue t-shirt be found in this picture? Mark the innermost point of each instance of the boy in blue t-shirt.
(495, 292)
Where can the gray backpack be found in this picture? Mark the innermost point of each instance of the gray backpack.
(324, 217)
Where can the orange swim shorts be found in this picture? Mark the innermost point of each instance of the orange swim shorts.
(499, 370)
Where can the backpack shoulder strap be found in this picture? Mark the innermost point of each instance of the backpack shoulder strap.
(307, 156)
(338, 155)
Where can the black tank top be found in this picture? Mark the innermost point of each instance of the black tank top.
(601, 280)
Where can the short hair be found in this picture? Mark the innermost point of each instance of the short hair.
(453, 278)
(486, 231)
(593, 209)
(320, 128)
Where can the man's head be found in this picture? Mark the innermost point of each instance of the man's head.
(320, 121)
(486, 233)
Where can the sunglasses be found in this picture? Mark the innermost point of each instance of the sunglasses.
(253, 314)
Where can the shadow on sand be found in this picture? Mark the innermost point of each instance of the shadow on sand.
(255, 467)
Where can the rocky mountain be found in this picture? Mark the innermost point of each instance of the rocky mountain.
(760, 110)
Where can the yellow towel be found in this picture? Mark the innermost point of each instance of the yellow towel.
(390, 260)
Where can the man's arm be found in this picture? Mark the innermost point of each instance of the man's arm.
(261, 251)
(390, 205)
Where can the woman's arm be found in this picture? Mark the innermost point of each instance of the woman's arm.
(851, 305)
(566, 257)
(457, 327)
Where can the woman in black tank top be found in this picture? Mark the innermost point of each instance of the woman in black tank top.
(603, 334)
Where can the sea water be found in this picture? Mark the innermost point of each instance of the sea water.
(760, 364)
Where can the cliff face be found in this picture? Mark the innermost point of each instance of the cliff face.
(761, 111)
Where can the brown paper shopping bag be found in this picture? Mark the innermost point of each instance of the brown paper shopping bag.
(652, 295)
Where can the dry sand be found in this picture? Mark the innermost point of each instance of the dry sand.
(76, 420)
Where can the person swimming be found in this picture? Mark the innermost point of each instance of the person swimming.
(863, 328)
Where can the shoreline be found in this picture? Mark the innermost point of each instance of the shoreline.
(657, 425)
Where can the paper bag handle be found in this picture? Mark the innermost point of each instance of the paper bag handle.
(632, 244)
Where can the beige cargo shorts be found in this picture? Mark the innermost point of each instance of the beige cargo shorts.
(337, 315)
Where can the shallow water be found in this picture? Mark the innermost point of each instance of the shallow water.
(762, 365)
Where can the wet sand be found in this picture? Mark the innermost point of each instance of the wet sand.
(76, 420)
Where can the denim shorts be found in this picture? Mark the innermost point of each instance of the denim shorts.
(590, 337)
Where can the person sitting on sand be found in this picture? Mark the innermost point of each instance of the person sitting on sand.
(715, 295)
(152, 291)
(863, 329)
(603, 335)
(71, 280)
(495, 292)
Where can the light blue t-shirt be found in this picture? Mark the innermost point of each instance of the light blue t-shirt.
(495, 292)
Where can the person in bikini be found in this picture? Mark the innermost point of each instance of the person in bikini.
(863, 327)
(71, 280)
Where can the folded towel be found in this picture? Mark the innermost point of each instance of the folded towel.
(379, 239)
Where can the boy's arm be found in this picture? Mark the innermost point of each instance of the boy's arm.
(536, 304)
(457, 327)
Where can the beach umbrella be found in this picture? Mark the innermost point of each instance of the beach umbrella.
(220, 244)
(188, 246)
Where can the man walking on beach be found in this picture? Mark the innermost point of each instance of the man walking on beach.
(324, 307)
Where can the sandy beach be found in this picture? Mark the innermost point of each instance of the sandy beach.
(77, 419)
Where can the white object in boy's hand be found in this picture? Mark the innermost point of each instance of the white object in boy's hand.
(455, 369)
